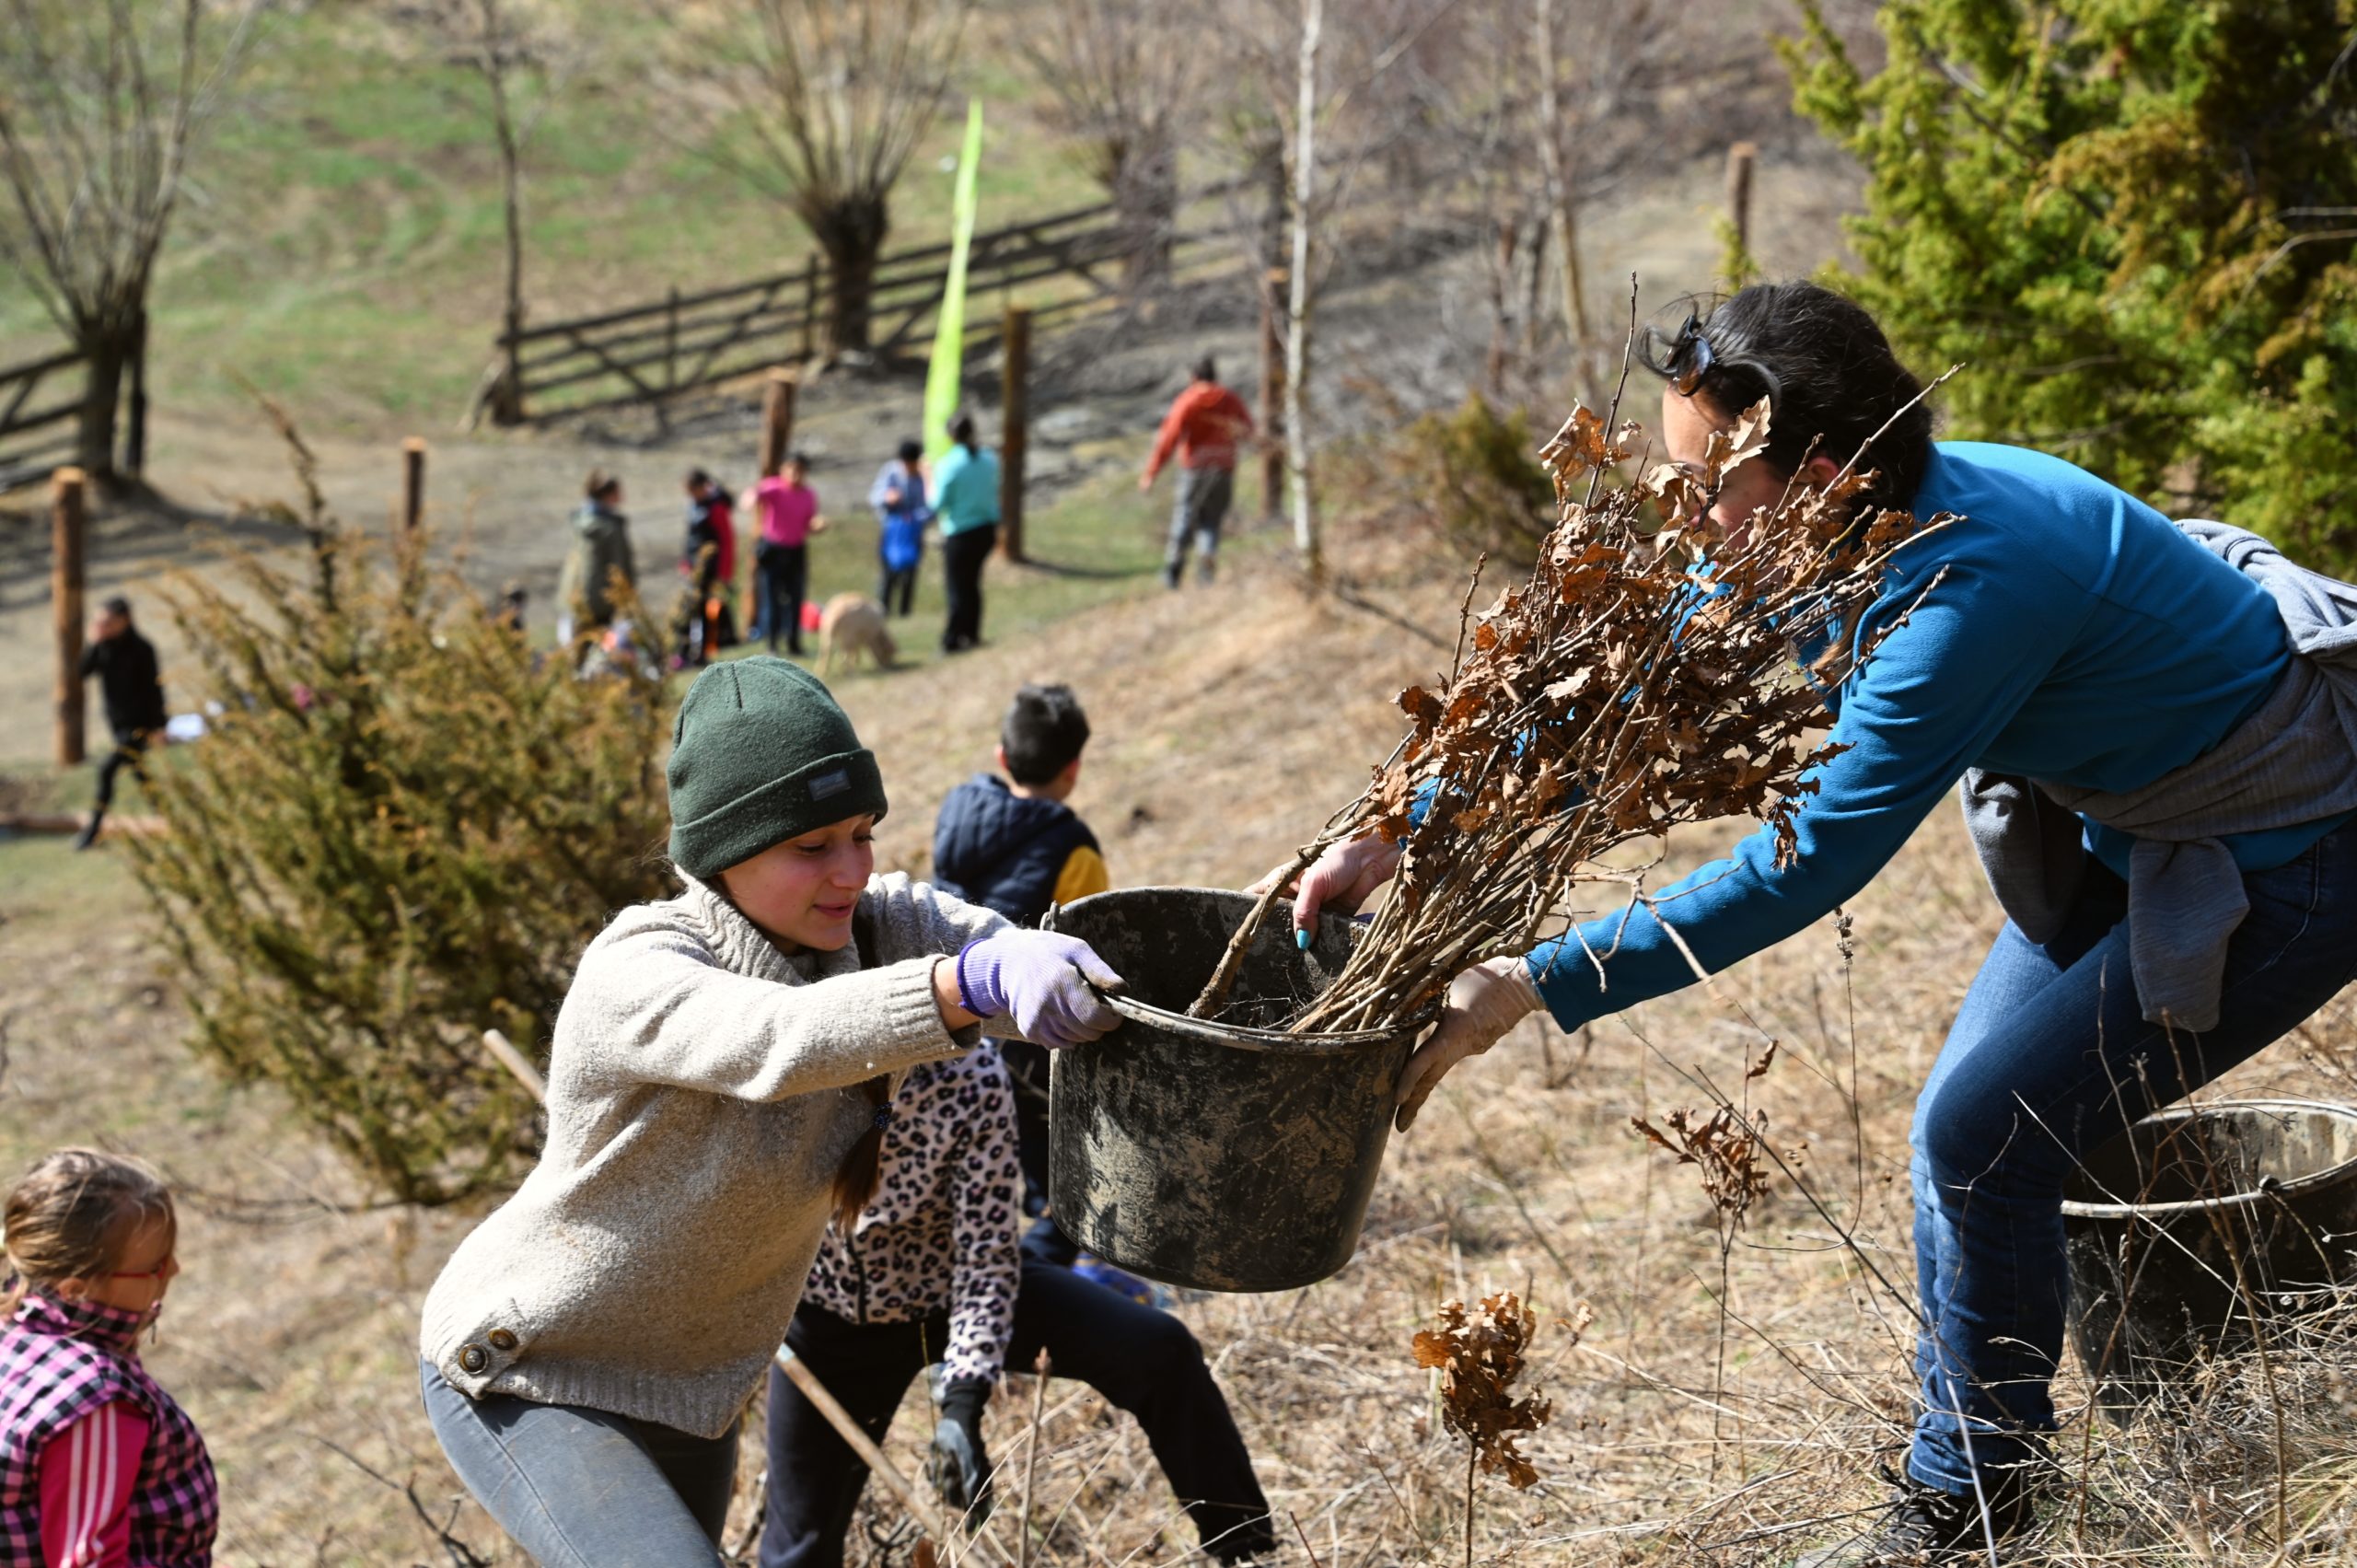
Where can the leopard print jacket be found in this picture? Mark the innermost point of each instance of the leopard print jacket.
(940, 1233)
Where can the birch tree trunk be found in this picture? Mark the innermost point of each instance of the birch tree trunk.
(1299, 298)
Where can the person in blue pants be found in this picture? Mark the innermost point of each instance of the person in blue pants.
(2142, 716)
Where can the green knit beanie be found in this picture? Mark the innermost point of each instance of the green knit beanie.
(760, 754)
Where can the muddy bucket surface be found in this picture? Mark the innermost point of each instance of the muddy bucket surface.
(1221, 1155)
(2199, 1223)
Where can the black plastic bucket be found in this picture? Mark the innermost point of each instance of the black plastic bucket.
(1219, 1155)
(2194, 1226)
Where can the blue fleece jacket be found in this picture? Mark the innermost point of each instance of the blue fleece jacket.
(2073, 634)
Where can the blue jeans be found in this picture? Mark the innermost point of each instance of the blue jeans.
(2047, 1059)
(1197, 512)
(588, 1489)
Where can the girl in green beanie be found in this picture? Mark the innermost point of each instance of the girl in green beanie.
(719, 1085)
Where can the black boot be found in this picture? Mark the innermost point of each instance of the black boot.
(1924, 1528)
(89, 833)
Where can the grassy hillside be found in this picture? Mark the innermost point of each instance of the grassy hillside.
(342, 247)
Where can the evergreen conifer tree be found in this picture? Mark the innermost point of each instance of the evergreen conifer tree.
(402, 830)
(2135, 223)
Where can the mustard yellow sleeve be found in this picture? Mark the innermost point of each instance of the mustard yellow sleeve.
(1083, 874)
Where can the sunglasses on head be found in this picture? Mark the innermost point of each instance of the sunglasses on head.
(1687, 361)
(1690, 358)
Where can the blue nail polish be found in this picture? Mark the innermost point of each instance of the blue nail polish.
(1301, 939)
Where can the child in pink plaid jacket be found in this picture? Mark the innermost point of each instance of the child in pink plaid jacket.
(99, 1467)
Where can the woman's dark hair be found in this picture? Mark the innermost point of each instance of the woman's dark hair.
(911, 451)
(600, 484)
(698, 479)
(1828, 374)
(1043, 731)
(961, 430)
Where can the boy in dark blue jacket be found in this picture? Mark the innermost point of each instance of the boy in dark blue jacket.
(1012, 845)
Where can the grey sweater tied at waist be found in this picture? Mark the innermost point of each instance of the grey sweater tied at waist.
(2291, 761)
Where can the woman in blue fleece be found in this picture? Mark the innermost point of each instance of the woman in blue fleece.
(2074, 637)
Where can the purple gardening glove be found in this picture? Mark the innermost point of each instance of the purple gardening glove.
(1041, 979)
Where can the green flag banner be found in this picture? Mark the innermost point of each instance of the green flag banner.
(941, 382)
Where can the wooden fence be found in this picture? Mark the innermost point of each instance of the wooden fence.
(36, 433)
(41, 411)
(650, 353)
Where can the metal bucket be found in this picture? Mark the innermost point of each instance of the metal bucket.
(2196, 1225)
(1219, 1155)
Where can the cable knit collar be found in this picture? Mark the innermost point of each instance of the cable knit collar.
(108, 1328)
(744, 949)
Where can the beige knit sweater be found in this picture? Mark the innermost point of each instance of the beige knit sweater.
(702, 1089)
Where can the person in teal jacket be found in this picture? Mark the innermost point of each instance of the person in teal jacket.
(965, 498)
(2063, 634)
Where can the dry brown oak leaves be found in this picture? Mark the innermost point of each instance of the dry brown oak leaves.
(1641, 678)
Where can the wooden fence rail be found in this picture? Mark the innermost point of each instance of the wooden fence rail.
(648, 355)
(36, 437)
(41, 411)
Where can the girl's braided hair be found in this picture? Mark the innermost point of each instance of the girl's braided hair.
(70, 1216)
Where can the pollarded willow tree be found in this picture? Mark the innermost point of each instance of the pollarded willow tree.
(2136, 222)
(832, 98)
(1125, 78)
(101, 102)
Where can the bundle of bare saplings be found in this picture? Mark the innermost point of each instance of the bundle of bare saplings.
(1638, 679)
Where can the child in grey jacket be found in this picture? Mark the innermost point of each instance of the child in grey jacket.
(720, 1078)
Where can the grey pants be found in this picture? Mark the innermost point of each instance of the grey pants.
(1201, 508)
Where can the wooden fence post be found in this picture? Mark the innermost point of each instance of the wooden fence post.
(1741, 159)
(777, 420)
(67, 522)
(412, 483)
(671, 344)
(1014, 415)
(1273, 399)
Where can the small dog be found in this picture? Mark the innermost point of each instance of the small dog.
(853, 624)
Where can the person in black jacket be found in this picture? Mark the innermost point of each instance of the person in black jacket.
(702, 624)
(124, 663)
(1012, 845)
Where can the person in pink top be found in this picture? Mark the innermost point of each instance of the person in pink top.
(787, 509)
(100, 1468)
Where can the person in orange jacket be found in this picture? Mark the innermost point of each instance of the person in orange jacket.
(1205, 424)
